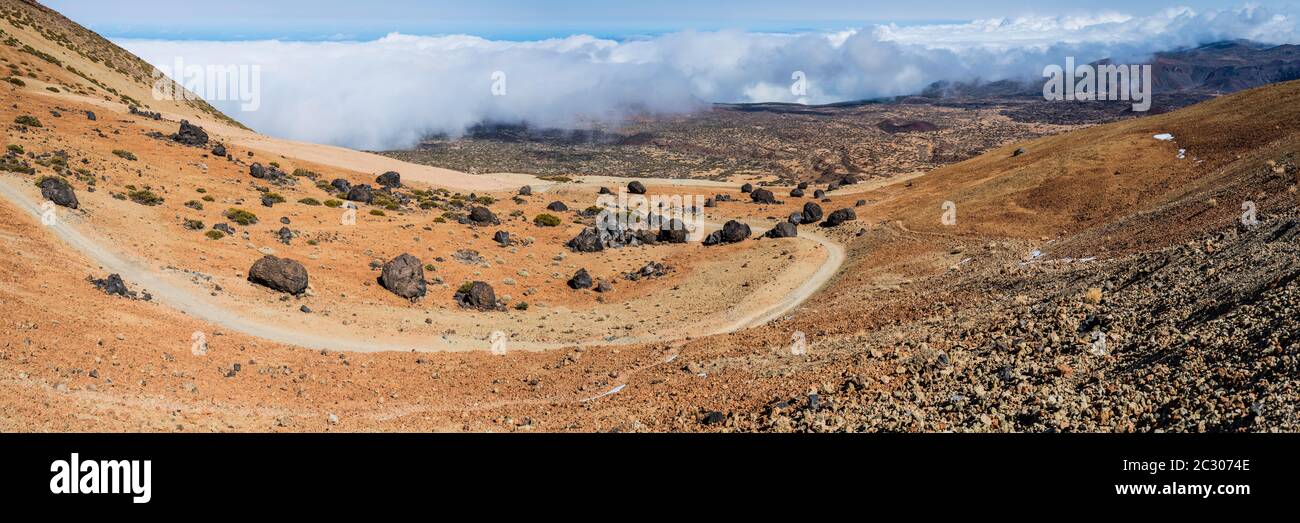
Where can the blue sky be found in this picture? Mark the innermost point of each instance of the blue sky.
(532, 19)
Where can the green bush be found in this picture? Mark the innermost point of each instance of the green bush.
(215, 235)
(333, 204)
(521, 306)
(376, 212)
(194, 204)
(274, 197)
(125, 155)
(28, 120)
(465, 287)
(13, 148)
(209, 199)
(16, 81)
(145, 197)
(194, 225)
(240, 216)
(547, 220)
(310, 201)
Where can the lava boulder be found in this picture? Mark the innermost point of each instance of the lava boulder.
(390, 179)
(580, 280)
(636, 188)
(59, 191)
(279, 274)
(477, 295)
(839, 217)
(404, 276)
(763, 196)
(361, 193)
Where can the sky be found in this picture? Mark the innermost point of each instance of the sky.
(384, 75)
(531, 19)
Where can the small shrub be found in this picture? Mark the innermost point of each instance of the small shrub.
(16, 81)
(429, 267)
(521, 306)
(14, 148)
(52, 89)
(274, 197)
(240, 216)
(310, 201)
(215, 235)
(194, 204)
(208, 199)
(145, 197)
(125, 155)
(333, 204)
(200, 190)
(28, 120)
(439, 220)
(465, 287)
(547, 220)
(376, 212)
(194, 225)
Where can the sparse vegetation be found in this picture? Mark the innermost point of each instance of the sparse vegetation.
(215, 235)
(547, 220)
(124, 154)
(145, 197)
(333, 204)
(194, 204)
(521, 306)
(240, 216)
(16, 149)
(310, 201)
(27, 120)
(376, 212)
(194, 225)
(16, 81)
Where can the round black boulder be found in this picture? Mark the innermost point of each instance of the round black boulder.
(390, 179)
(59, 191)
(280, 274)
(636, 187)
(580, 280)
(404, 276)
(839, 217)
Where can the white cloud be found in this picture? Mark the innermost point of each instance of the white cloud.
(390, 92)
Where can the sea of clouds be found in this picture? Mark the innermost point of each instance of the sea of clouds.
(392, 92)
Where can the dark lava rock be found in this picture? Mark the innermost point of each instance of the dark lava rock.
(219, 151)
(557, 207)
(839, 217)
(59, 191)
(580, 280)
(268, 201)
(257, 171)
(404, 276)
(812, 213)
(747, 188)
(223, 227)
(526, 190)
(502, 238)
(732, 232)
(390, 179)
(797, 193)
(483, 216)
(1019, 151)
(479, 296)
(636, 187)
(280, 274)
(285, 235)
(673, 231)
(604, 190)
(783, 230)
(763, 196)
(604, 287)
(713, 418)
(361, 193)
(819, 194)
(796, 218)
(341, 185)
(191, 135)
(587, 241)
(832, 187)
(803, 185)
(90, 115)
(650, 270)
(113, 285)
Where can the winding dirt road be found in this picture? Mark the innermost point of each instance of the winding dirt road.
(172, 291)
